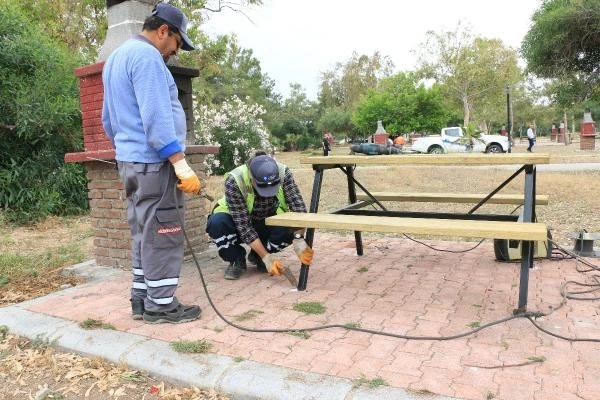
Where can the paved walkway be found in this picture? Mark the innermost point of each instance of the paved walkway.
(398, 286)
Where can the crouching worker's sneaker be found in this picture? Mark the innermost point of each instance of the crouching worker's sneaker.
(137, 308)
(253, 258)
(235, 268)
(178, 315)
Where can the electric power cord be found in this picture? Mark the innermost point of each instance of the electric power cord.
(529, 315)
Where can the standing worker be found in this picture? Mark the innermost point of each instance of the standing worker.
(254, 191)
(146, 124)
(530, 137)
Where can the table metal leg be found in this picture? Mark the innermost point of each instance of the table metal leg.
(310, 232)
(527, 246)
(351, 200)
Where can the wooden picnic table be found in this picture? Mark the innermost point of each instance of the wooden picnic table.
(352, 216)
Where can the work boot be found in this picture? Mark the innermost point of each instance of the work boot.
(253, 258)
(137, 308)
(180, 314)
(234, 269)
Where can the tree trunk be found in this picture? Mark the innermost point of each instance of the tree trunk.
(467, 112)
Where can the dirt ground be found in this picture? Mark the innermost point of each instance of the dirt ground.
(31, 370)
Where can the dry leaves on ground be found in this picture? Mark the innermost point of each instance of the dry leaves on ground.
(34, 370)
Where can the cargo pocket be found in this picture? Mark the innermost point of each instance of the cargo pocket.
(167, 231)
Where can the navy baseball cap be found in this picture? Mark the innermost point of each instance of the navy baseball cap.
(175, 17)
(265, 176)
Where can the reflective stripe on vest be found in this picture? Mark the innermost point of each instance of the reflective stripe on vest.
(241, 176)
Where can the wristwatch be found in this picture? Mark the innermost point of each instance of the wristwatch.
(298, 236)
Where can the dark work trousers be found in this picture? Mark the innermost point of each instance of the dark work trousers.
(156, 232)
(531, 143)
(221, 229)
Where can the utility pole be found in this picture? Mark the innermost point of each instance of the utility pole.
(509, 118)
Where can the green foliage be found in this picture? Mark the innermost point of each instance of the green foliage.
(250, 314)
(310, 307)
(292, 125)
(472, 72)
(3, 332)
(79, 24)
(537, 358)
(228, 70)
(300, 334)
(563, 44)
(237, 128)
(40, 122)
(13, 265)
(563, 38)
(403, 105)
(132, 376)
(344, 85)
(95, 324)
(337, 121)
(191, 346)
(371, 383)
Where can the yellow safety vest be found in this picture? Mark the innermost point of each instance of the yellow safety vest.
(241, 176)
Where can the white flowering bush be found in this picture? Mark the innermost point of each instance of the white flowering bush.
(236, 127)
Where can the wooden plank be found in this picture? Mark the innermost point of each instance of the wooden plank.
(431, 159)
(451, 197)
(420, 226)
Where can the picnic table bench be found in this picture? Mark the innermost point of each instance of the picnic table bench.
(354, 217)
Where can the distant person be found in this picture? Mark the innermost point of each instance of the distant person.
(326, 146)
(399, 141)
(530, 137)
(254, 191)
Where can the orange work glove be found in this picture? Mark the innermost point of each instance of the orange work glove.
(273, 264)
(303, 251)
(188, 180)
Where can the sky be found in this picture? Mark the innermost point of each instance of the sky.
(296, 40)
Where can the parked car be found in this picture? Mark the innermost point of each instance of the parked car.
(453, 140)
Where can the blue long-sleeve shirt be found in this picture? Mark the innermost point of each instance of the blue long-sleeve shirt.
(141, 113)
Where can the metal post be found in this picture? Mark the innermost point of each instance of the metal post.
(508, 117)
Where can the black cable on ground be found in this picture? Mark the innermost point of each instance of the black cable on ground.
(530, 315)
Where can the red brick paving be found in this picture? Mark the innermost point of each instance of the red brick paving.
(407, 289)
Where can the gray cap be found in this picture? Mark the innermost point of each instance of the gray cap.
(174, 16)
(265, 176)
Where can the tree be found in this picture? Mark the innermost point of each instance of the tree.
(403, 105)
(39, 123)
(228, 70)
(336, 120)
(564, 38)
(344, 85)
(563, 44)
(472, 71)
(234, 125)
(79, 24)
(293, 125)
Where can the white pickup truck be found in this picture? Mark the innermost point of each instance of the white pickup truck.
(452, 140)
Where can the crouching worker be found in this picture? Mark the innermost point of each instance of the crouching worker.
(259, 189)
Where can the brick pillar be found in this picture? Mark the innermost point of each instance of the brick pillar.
(108, 210)
(562, 133)
(587, 136)
(108, 205)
